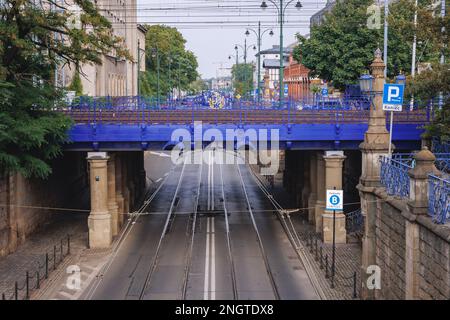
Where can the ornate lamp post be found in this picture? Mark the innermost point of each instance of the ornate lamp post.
(155, 54)
(259, 36)
(281, 8)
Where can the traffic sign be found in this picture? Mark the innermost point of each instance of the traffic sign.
(325, 92)
(335, 200)
(393, 97)
(286, 89)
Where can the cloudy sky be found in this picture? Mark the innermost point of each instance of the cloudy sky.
(213, 27)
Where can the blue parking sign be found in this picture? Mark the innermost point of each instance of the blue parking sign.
(286, 89)
(393, 97)
(325, 92)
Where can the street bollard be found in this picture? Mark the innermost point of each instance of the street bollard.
(326, 266)
(46, 265)
(61, 252)
(16, 291)
(38, 280)
(54, 257)
(68, 244)
(355, 294)
(311, 243)
(321, 258)
(27, 285)
(317, 253)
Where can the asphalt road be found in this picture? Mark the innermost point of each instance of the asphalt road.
(159, 257)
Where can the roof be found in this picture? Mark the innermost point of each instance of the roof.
(271, 63)
(275, 50)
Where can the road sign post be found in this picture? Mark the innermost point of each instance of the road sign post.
(335, 201)
(392, 101)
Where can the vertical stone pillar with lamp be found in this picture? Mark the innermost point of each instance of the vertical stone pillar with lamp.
(375, 144)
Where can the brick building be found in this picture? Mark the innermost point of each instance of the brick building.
(296, 76)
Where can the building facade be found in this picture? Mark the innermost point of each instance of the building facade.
(319, 17)
(296, 76)
(114, 76)
(270, 66)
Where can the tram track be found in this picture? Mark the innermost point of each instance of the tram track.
(258, 236)
(126, 230)
(151, 270)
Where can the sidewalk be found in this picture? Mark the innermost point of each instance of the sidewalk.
(348, 256)
(13, 267)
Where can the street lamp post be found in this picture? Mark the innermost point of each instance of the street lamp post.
(155, 54)
(139, 50)
(245, 49)
(259, 42)
(281, 8)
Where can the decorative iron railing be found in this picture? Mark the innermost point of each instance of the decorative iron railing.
(394, 176)
(439, 146)
(354, 221)
(439, 199)
(442, 162)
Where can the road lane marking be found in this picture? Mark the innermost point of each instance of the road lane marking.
(213, 262)
(209, 289)
(206, 284)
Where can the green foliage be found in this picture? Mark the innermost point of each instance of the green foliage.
(177, 66)
(242, 78)
(341, 49)
(31, 132)
(429, 85)
(76, 84)
(197, 86)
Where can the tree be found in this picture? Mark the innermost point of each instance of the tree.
(76, 84)
(177, 66)
(31, 132)
(197, 86)
(429, 85)
(242, 78)
(341, 49)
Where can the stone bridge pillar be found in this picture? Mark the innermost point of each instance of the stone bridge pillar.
(334, 164)
(306, 190)
(99, 221)
(119, 190)
(313, 185)
(376, 144)
(125, 190)
(320, 202)
(417, 205)
(112, 201)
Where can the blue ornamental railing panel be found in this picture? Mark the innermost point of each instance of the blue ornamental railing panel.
(439, 199)
(394, 176)
(354, 221)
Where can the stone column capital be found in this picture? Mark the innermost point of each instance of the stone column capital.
(418, 196)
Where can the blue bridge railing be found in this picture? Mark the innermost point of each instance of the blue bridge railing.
(439, 199)
(394, 176)
(150, 103)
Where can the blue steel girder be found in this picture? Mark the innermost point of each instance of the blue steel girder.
(346, 136)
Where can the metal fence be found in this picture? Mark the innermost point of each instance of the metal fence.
(33, 278)
(394, 176)
(439, 199)
(354, 222)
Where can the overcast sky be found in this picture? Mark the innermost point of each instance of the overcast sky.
(213, 27)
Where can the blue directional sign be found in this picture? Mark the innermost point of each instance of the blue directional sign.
(335, 200)
(286, 89)
(393, 97)
(325, 92)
